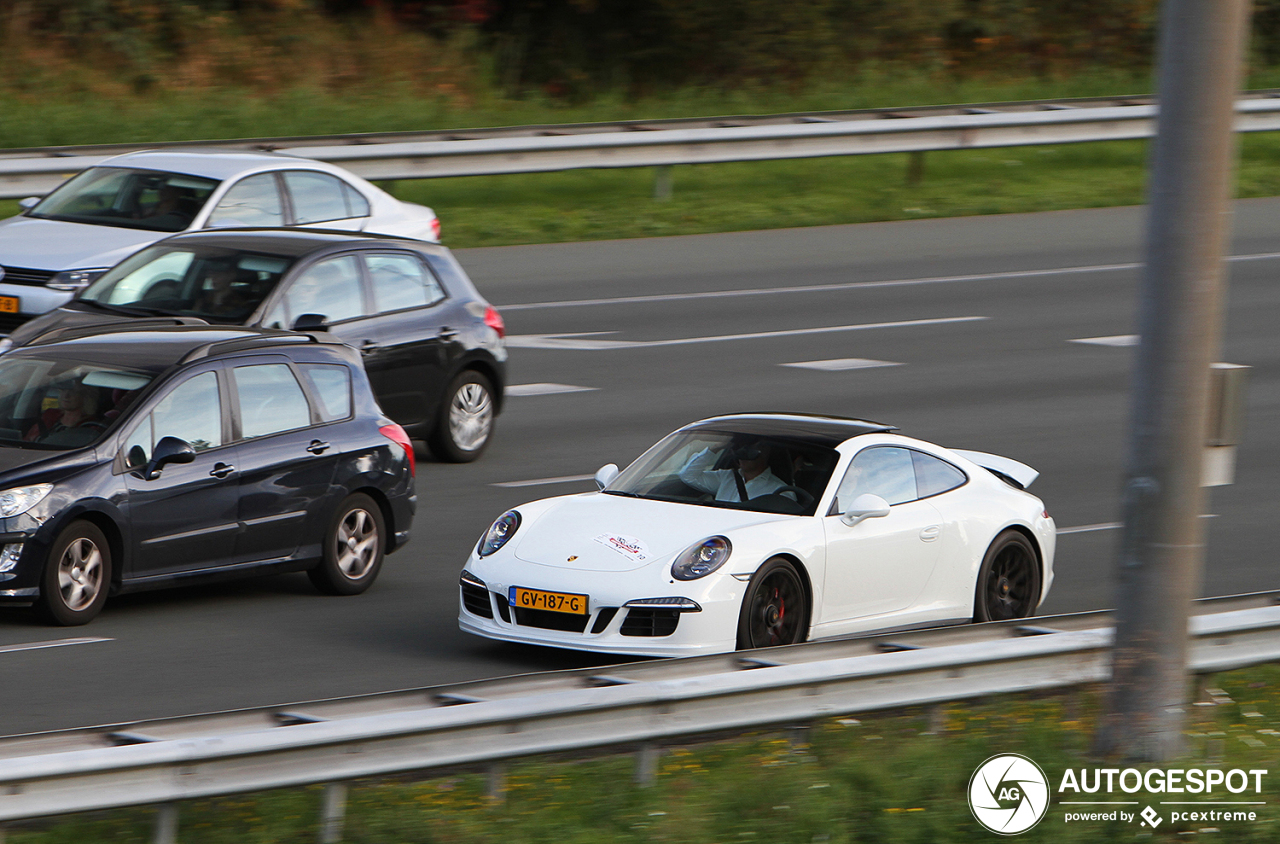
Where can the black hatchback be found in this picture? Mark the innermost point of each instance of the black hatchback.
(150, 454)
(432, 346)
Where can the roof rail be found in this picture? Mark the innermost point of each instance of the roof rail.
(70, 332)
(268, 337)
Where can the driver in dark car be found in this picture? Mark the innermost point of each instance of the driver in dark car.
(750, 476)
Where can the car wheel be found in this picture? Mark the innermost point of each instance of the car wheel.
(1009, 580)
(775, 610)
(466, 417)
(353, 547)
(76, 576)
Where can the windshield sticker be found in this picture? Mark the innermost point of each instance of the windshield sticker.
(627, 546)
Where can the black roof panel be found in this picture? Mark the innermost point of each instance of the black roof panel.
(822, 430)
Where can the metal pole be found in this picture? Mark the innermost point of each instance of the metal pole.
(165, 830)
(333, 812)
(1162, 548)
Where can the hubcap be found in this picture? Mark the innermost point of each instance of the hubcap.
(357, 544)
(776, 612)
(1010, 584)
(80, 574)
(470, 417)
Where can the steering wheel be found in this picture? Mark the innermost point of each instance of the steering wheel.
(802, 496)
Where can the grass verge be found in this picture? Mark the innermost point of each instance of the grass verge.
(884, 778)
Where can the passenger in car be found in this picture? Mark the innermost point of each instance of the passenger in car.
(77, 407)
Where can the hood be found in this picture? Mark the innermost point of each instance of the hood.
(21, 466)
(52, 245)
(614, 533)
(61, 318)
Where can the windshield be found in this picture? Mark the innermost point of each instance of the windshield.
(61, 404)
(731, 469)
(134, 199)
(217, 284)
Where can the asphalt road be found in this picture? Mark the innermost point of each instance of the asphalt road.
(977, 317)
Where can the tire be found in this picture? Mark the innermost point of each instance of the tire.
(354, 544)
(76, 575)
(1009, 580)
(464, 424)
(775, 609)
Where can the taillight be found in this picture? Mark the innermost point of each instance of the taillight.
(493, 319)
(435, 228)
(397, 435)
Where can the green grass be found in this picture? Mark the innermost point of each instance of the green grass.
(885, 779)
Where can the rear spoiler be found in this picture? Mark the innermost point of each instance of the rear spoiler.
(1012, 472)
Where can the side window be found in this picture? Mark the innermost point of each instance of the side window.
(137, 448)
(934, 476)
(330, 288)
(885, 471)
(357, 205)
(192, 411)
(254, 201)
(331, 384)
(401, 281)
(316, 197)
(271, 400)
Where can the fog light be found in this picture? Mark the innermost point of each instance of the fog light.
(9, 556)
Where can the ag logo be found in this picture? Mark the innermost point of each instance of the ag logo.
(1008, 794)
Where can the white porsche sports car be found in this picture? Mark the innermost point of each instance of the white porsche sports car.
(760, 529)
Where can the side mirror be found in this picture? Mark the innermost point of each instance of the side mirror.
(28, 203)
(865, 506)
(168, 450)
(608, 472)
(311, 322)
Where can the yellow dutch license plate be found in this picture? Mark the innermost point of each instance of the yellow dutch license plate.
(10, 304)
(535, 599)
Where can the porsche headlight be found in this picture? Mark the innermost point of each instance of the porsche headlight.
(499, 532)
(701, 558)
(16, 501)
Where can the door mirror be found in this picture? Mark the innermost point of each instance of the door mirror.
(865, 506)
(28, 203)
(168, 450)
(606, 475)
(311, 322)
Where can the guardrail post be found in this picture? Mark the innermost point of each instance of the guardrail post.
(498, 782)
(647, 758)
(915, 167)
(662, 185)
(333, 812)
(166, 828)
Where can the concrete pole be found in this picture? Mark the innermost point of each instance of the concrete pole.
(1180, 321)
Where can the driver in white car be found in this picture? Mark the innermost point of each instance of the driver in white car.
(750, 478)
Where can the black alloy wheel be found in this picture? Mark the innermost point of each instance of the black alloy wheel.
(353, 547)
(76, 575)
(775, 610)
(464, 423)
(1009, 580)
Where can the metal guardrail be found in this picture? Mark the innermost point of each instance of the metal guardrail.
(532, 149)
(335, 741)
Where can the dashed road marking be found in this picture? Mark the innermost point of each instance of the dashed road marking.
(52, 643)
(545, 389)
(841, 364)
(1114, 340)
(564, 479)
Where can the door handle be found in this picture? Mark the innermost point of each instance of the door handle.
(221, 470)
(368, 346)
(447, 333)
(318, 447)
(931, 533)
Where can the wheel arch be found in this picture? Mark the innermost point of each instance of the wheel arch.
(384, 505)
(1035, 546)
(806, 580)
(490, 371)
(110, 528)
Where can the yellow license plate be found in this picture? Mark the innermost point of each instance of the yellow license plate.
(535, 599)
(10, 304)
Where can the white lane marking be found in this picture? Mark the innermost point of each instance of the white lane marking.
(841, 364)
(1113, 525)
(566, 479)
(545, 389)
(1114, 340)
(52, 643)
(853, 285)
(561, 341)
